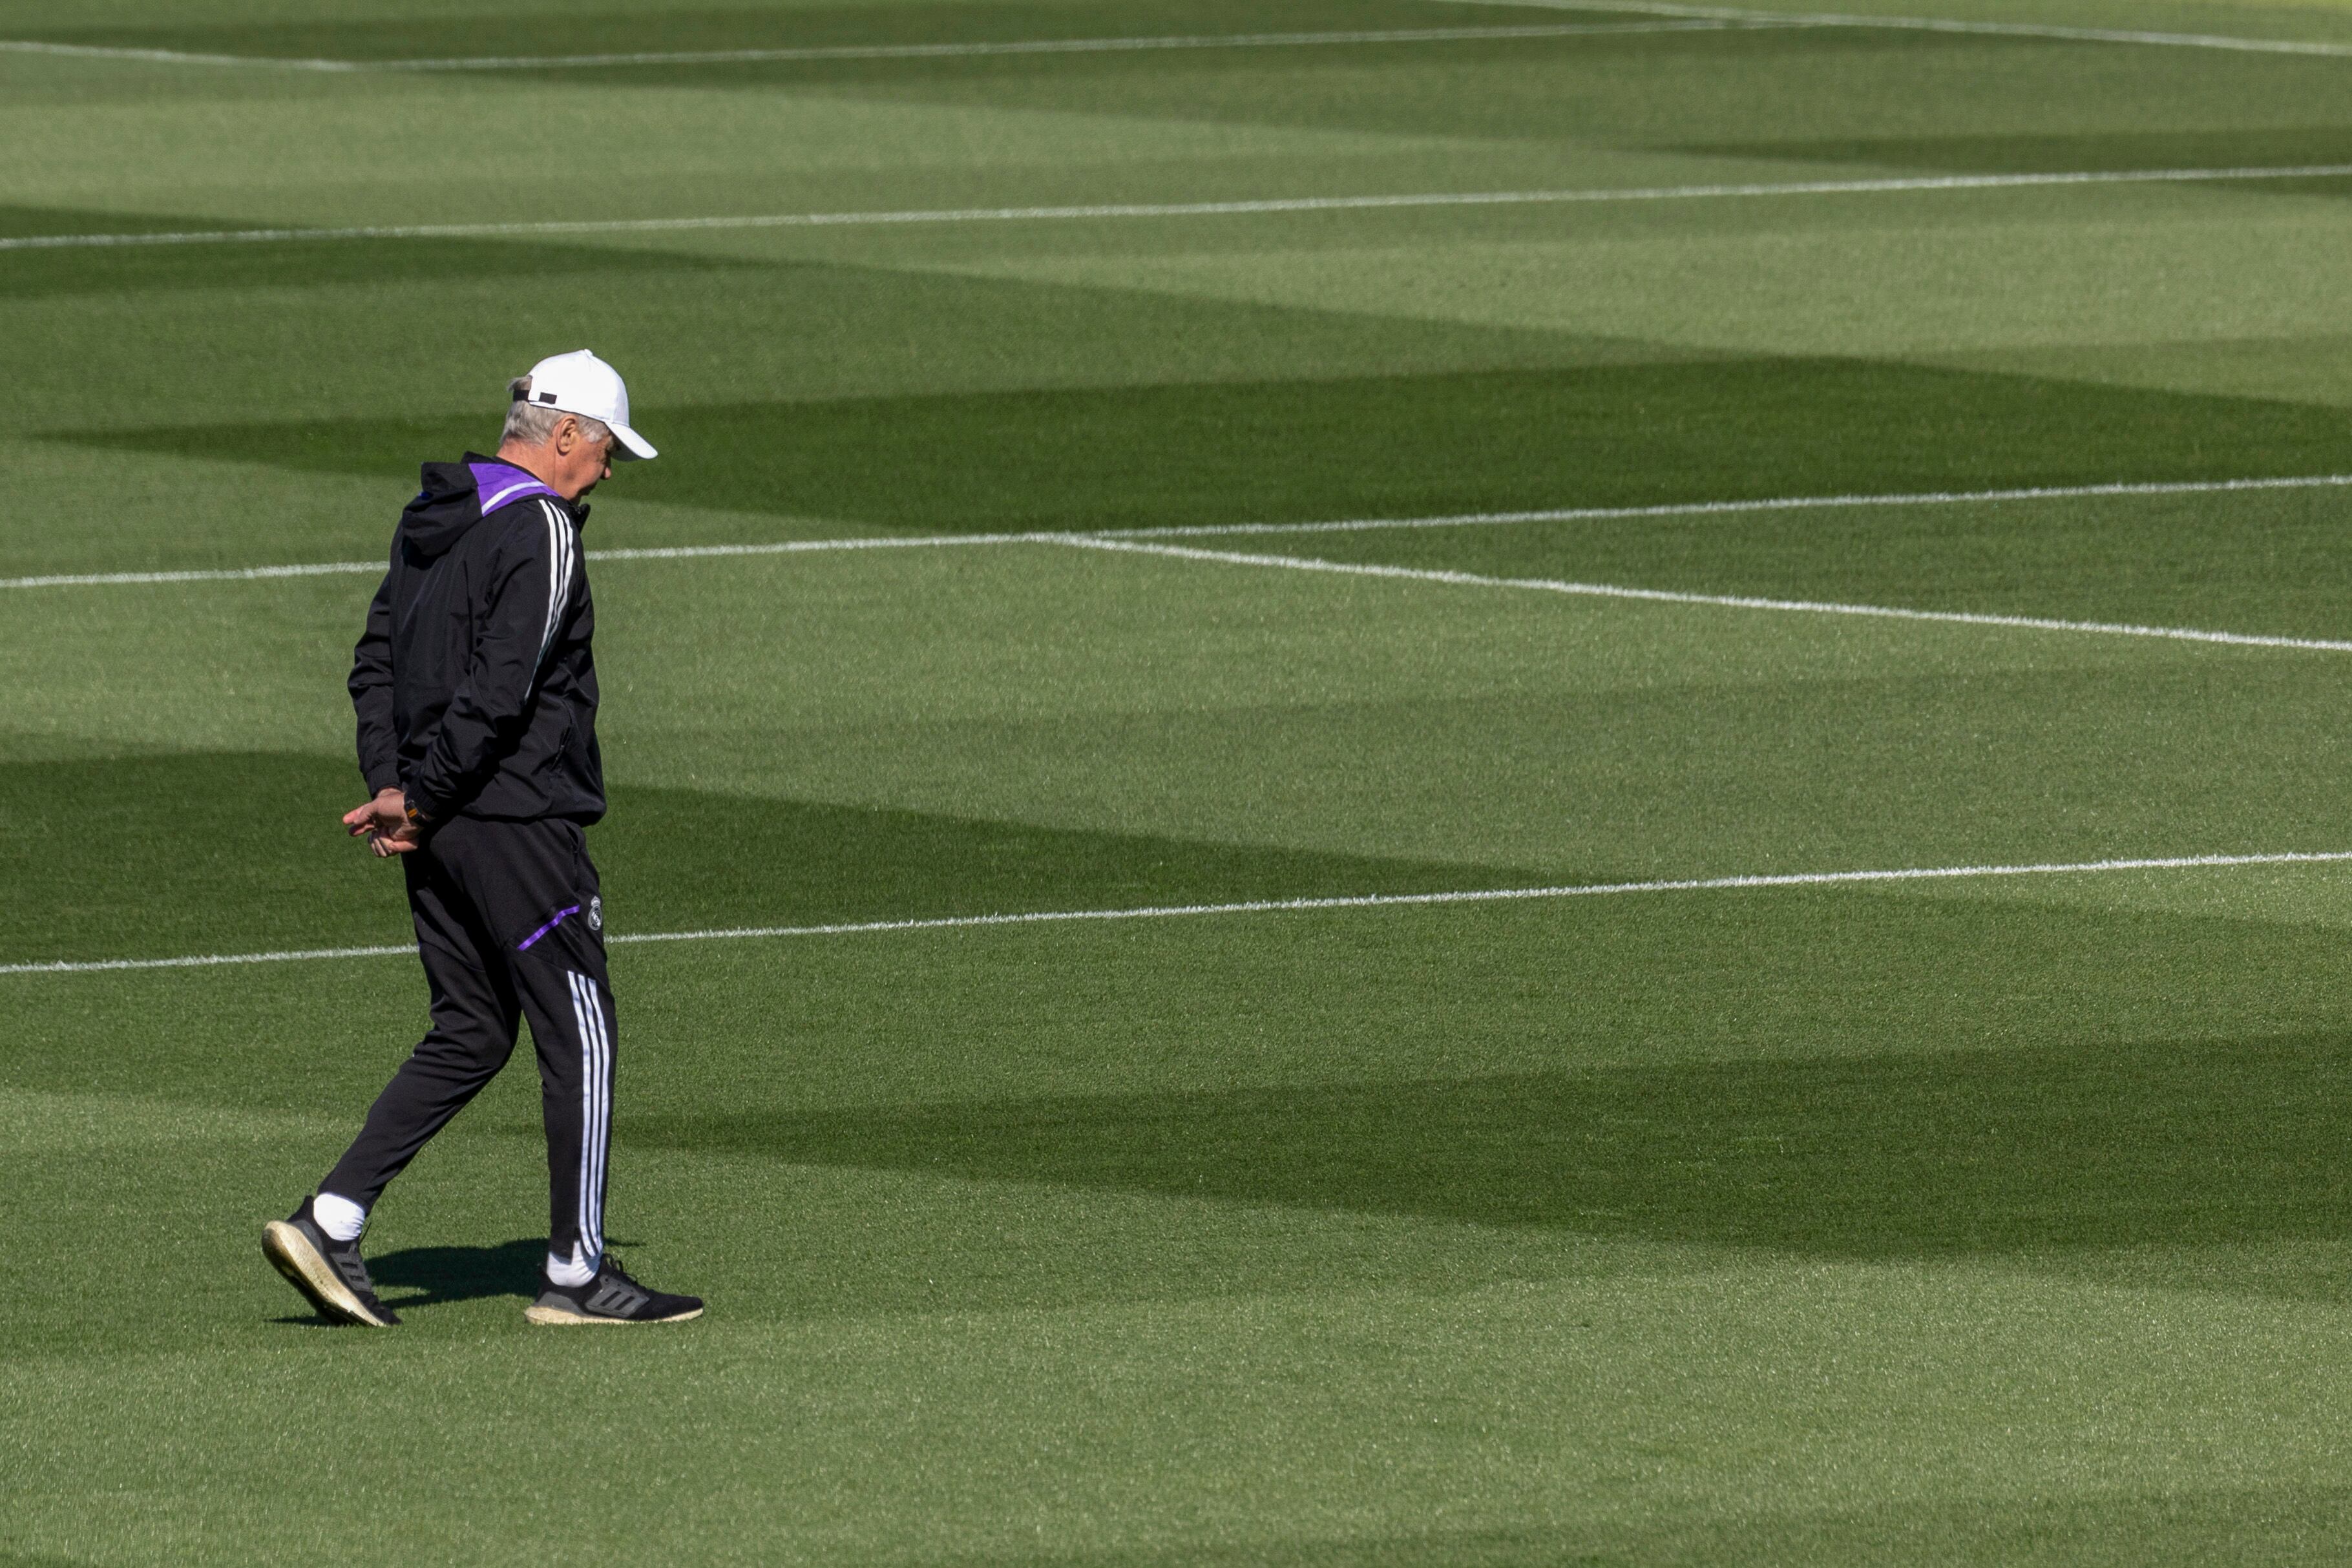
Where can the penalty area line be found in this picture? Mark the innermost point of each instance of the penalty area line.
(818, 54)
(1894, 184)
(659, 552)
(1205, 531)
(1655, 19)
(2056, 31)
(1717, 600)
(1281, 907)
(1732, 509)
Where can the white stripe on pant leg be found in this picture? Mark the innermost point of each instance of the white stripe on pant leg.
(599, 1127)
(602, 1055)
(587, 1109)
(597, 1058)
(580, 1198)
(604, 1110)
(603, 1120)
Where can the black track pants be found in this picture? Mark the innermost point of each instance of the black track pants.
(509, 925)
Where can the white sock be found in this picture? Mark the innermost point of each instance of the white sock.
(339, 1217)
(570, 1272)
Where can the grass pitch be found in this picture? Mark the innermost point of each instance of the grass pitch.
(1995, 1218)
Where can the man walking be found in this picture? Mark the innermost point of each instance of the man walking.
(476, 702)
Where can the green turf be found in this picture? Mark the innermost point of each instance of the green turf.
(1977, 1220)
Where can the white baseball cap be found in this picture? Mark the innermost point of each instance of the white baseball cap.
(579, 383)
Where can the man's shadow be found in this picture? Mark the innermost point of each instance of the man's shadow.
(435, 1276)
(460, 1273)
(457, 1274)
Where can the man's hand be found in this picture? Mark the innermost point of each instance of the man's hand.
(383, 823)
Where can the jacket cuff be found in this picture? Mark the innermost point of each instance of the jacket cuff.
(422, 805)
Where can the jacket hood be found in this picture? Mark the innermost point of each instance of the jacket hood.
(456, 495)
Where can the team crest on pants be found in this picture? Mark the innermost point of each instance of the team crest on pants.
(596, 912)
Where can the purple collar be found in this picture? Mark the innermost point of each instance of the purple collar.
(502, 483)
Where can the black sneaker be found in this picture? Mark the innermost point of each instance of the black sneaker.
(328, 1271)
(612, 1297)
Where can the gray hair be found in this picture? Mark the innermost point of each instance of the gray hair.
(533, 424)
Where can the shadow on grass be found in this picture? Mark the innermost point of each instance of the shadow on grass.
(444, 1274)
(1978, 1151)
(437, 1276)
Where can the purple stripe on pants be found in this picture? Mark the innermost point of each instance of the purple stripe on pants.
(524, 945)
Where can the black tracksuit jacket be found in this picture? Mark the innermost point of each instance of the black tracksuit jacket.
(474, 685)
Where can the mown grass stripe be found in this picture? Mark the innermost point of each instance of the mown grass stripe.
(1893, 185)
(1272, 906)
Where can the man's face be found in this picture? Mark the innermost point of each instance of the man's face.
(581, 463)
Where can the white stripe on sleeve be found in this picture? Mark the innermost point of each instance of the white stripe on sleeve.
(558, 576)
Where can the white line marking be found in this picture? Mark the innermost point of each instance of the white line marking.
(1942, 24)
(660, 552)
(898, 51)
(1729, 509)
(201, 961)
(1892, 184)
(1200, 530)
(223, 574)
(1279, 906)
(1722, 600)
(1671, 18)
(807, 547)
(1072, 46)
(165, 56)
